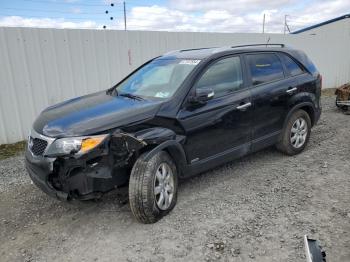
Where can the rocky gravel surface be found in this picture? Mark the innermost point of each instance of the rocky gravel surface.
(254, 209)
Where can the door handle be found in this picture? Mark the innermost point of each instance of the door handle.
(291, 90)
(244, 106)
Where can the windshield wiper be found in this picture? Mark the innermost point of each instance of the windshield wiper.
(132, 96)
(111, 90)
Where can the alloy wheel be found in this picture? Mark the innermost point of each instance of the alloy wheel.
(299, 133)
(164, 186)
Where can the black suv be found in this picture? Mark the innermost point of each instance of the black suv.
(175, 116)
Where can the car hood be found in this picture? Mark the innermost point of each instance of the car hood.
(93, 113)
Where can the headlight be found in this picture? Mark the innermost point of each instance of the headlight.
(74, 145)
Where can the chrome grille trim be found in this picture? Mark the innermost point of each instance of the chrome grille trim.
(35, 136)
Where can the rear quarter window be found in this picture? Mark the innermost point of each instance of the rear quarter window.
(292, 67)
(264, 68)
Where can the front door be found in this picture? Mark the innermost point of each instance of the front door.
(223, 124)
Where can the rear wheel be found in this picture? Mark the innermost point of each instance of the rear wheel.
(296, 133)
(153, 187)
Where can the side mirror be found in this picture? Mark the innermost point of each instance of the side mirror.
(202, 95)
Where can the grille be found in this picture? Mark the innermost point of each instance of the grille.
(38, 146)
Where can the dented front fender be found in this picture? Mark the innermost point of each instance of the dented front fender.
(125, 145)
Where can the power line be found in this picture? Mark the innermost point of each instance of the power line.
(77, 4)
(54, 11)
(55, 17)
(64, 3)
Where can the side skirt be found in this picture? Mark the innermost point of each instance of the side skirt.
(230, 155)
(216, 160)
(265, 141)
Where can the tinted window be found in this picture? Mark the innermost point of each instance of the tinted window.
(223, 76)
(292, 67)
(265, 68)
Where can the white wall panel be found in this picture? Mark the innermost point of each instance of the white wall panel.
(41, 67)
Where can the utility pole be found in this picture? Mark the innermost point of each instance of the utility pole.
(263, 25)
(286, 27)
(124, 16)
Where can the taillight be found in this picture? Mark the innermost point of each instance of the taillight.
(320, 76)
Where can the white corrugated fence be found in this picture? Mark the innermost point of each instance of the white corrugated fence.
(41, 67)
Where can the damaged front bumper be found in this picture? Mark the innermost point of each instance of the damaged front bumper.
(39, 169)
(100, 170)
(84, 177)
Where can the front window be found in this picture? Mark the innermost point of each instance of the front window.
(158, 79)
(224, 76)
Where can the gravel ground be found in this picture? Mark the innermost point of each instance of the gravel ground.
(254, 209)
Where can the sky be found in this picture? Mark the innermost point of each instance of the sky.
(172, 15)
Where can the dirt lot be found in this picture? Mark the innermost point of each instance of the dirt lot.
(254, 209)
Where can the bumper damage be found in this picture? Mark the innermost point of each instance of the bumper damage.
(74, 178)
(90, 175)
(38, 170)
(87, 176)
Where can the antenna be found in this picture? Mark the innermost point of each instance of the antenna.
(268, 40)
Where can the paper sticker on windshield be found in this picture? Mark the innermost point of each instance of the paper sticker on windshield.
(189, 62)
(162, 94)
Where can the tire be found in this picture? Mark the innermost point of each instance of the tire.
(288, 142)
(146, 188)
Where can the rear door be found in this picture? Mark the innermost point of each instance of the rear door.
(270, 89)
(294, 70)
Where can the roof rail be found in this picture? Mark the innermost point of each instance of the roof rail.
(193, 49)
(281, 45)
(184, 50)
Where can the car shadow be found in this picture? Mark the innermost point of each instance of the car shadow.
(118, 199)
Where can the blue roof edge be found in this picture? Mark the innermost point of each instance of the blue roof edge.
(322, 24)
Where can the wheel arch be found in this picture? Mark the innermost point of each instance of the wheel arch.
(176, 152)
(310, 111)
(127, 147)
(308, 107)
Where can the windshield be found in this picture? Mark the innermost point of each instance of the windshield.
(159, 78)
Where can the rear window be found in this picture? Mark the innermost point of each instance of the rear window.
(292, 67)
(265, 68)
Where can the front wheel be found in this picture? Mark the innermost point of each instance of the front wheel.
(153, 187)
(296, 133)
